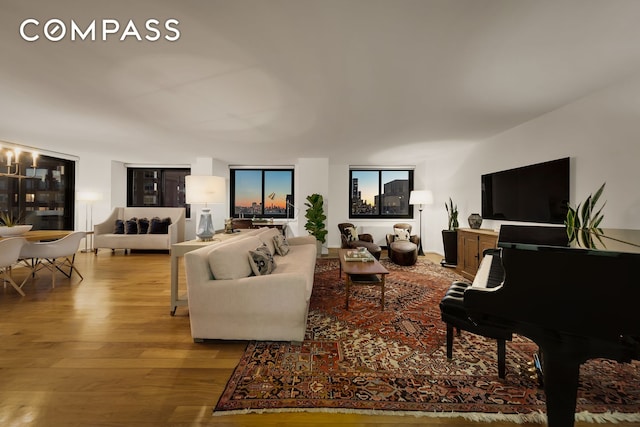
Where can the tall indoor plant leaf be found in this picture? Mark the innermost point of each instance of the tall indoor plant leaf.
(315, 217)
(583, 221)
(452, 213)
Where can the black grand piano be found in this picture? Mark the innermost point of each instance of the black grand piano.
(575, 304)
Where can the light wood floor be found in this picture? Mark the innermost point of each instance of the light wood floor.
(106, 352)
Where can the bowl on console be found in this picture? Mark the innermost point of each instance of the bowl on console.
(15, 230)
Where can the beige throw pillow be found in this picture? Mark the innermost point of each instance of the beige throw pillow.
(229, 260)
(281, 244)
(266, 237)
(401, 234)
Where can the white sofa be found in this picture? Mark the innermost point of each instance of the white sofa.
(104, 236)
(227, 301)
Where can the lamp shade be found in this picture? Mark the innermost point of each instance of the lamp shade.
(421, 197)
(88, 196)
(205, 189)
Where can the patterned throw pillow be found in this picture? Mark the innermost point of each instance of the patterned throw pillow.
(401, 234)
(351, 233)
(281, 244)
(261, 261)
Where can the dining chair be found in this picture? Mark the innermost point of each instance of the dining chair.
(9, 255)
(57, 255)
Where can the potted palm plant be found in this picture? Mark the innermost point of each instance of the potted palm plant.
(316, 218)
(450, 236)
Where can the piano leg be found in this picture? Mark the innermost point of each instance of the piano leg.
(561, 387)
(502, 356)
(449, 341)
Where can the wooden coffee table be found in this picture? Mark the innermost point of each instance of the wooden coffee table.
(359, 273)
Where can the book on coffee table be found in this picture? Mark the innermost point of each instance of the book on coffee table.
(360, 256)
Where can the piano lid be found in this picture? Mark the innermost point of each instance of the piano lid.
(533, 237)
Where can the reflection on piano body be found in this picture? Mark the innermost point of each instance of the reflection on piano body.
(576, 304)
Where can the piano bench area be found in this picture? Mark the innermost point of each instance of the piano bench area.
(455, 316)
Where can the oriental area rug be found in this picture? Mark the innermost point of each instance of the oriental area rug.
(366, 360)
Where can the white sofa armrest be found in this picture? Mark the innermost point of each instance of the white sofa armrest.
(107, 226)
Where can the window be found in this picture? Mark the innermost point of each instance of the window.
(262, 193)
(157, 187)
(44, 195)
(376, 193)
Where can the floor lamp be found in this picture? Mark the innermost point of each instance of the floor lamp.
(88, 197)
(205, 189)
(421, 197)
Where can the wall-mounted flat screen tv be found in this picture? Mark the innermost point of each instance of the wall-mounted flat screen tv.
(533, 193)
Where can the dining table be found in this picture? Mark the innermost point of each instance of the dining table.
(42, 235)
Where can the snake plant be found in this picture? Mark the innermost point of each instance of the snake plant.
(583, 221)
(452, 212)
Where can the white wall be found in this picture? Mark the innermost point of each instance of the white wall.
(601, 134)
(92, 176)
(312, 176)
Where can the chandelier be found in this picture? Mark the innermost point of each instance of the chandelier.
(13, 165)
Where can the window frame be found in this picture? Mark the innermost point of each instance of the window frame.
(380, 215)
(40, 199)
(160, 190)
(289, 211)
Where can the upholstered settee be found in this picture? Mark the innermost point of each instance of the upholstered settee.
(140, 228)
(227, 300)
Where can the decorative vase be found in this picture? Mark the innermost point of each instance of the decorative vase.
(205, 230)
(475, 220)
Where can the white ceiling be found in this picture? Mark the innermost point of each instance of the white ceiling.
(269, 81)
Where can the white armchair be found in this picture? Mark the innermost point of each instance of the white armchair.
(54, 256)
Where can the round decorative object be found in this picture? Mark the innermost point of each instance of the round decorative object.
(475, 220)
(15, 230)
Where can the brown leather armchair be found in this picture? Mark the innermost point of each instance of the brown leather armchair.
(403, 251)
(364, 239)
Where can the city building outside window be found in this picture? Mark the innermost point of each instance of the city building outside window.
(42, 193)
(157, 187)
(380, 193)
(262, 193)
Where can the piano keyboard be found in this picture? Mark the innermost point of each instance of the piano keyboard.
(490, 272)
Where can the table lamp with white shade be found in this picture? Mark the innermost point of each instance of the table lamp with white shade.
(421, 197)
(205, 189)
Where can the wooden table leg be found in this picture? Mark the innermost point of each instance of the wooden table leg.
(382, 299)
(347, 286)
